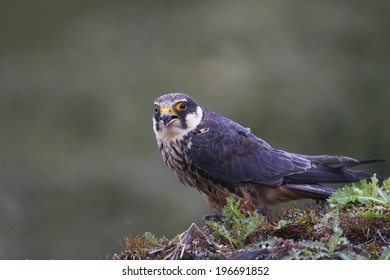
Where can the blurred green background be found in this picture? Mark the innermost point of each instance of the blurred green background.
(79, 166)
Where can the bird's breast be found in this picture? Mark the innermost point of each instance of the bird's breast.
(173, 154)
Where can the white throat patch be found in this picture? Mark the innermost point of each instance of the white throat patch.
(174, 131)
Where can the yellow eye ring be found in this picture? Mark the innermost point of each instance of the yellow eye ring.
(181, 106)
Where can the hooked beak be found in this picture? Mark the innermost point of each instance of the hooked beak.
(168, 116)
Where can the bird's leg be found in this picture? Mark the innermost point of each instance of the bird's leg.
(265, 212)
(267, 215)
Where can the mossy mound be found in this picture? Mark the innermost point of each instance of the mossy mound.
(354, 223)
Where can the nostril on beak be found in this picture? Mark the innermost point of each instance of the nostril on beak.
(167, 118)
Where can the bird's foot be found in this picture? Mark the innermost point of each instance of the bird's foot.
(213, 217)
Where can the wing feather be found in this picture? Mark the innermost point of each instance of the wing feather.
(231, 153)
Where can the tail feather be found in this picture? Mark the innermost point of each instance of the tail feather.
(331, 169)
(338, 161)
(328, 175)
(312, 191)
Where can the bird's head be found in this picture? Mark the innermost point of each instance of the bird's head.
(175, 114)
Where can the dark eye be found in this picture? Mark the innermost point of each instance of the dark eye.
(156, 109)
(181, 106)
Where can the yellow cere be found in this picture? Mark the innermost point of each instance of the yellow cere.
(167, 110)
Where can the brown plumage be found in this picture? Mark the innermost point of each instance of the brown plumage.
(221, 158)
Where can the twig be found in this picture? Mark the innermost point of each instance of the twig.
(384, 240)
(185, 235)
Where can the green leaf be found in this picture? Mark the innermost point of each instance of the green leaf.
(364, 192)
(238, 226)
(152, 239)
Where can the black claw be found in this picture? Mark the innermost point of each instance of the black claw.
(214, 217)
(211, 217)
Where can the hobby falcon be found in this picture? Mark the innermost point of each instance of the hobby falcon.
(223, 159)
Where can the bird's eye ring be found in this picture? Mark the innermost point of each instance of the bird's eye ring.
(181, 106)
(156, 109)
